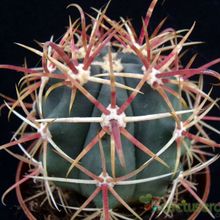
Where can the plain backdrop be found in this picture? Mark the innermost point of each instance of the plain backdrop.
(24, 21)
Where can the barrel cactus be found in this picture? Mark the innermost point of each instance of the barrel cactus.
(115, 120)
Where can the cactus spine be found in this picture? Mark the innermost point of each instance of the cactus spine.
(111, 120)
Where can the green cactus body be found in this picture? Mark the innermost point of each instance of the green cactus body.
(70, 136)
(74, 137)
(111, 121)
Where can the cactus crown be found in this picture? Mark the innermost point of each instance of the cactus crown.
(111, 120)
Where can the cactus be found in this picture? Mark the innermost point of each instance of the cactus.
(111, 120)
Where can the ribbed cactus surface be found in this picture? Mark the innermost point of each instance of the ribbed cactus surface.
(72, 138)
(115, 120)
